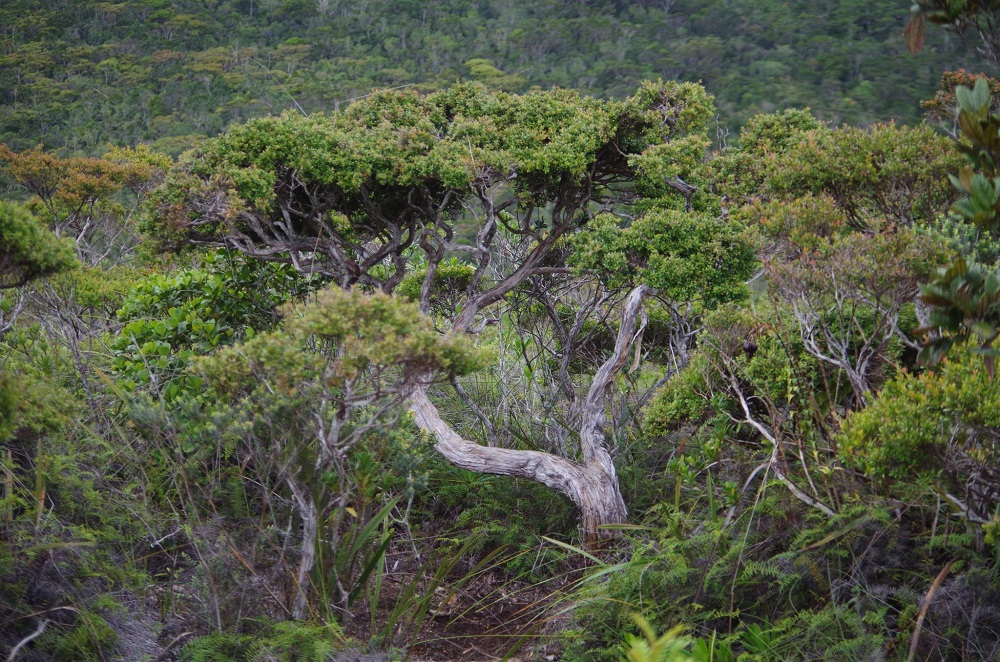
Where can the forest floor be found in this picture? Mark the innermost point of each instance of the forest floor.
(491, 617)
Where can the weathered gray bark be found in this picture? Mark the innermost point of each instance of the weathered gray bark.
(310, 526)
(592, 485)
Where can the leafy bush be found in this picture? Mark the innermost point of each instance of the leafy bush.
(685, 256)
(451, 280)
(27, 249)
(169, 319)
(938, 423)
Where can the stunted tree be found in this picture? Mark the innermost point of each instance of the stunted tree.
(27, 251)
(398, 184)
(841, 212)
(335, 371)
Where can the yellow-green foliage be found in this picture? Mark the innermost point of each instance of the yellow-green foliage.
(671, 646)
(908, 428)
(893, 172)
(97, 291)
(685, 398)
(41, 404)
(355, 331)
(286, 642)
(739, 173)
(393, 145)
(808, 223)
(451, 279)
(778, 370)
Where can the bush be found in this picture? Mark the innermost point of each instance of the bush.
(940, 424)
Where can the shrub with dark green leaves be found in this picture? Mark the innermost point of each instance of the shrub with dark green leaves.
(171, 318)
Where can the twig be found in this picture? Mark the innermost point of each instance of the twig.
(778, 473)
(162, 656)
(753, 474)
(491, 433)
(166, 537)
(923, 610)
(964, 510)
(27, 640)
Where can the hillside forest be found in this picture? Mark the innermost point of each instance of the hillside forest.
(592, 331)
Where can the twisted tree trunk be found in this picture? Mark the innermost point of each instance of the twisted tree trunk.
(592, 485)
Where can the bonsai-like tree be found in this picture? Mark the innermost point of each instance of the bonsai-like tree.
(398, 185)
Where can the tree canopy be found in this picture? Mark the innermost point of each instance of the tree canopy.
(81, 75)
(355, 195)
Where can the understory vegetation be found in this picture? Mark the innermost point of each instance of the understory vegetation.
(481, 371)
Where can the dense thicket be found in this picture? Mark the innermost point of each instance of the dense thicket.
(277, 399)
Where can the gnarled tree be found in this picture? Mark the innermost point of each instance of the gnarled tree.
(398, 183)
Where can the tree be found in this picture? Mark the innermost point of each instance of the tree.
(337, 370)
(841, 208)
(91, 201)
(27, 251)
(357, 194)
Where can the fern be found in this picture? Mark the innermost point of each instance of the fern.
(753, 569)
(668, 647)
(289, 641)
(217, 647)
(298, 642)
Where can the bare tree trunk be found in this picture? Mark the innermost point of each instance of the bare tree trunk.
(600, 503)
(591, 485)
(310, 526)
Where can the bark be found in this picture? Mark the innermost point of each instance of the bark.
(310, 527)
(592, 485)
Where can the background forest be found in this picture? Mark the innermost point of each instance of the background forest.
(522, 356)
(82, 75)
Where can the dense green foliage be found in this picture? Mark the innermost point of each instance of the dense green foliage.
(27, 249)
(784, 343)
(81, 75)
(169, 319)
(685, 256)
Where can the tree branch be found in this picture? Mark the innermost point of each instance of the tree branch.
(592, 427)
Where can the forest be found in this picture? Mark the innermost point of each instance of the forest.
(80, 76)
(383, 331)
